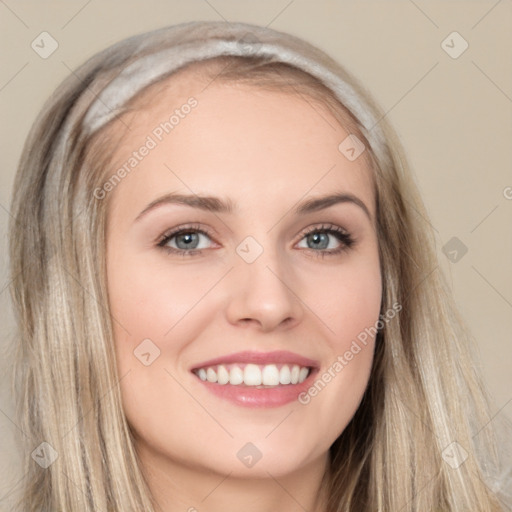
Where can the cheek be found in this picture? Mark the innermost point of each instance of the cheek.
(149, 306)
(347, 299)
(148, 300)
(348, 303)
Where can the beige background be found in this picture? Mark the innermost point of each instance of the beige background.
(453, 116)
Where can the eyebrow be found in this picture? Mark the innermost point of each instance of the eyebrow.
(217, 205)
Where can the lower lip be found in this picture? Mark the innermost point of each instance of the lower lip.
(251, 396)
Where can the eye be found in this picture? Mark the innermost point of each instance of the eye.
(324, 240)
(330, 237)
(185, 240)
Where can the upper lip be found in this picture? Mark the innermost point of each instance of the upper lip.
(264, 358)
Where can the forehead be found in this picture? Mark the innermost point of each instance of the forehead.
(236, 138)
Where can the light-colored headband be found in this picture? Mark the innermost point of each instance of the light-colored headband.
(195, 41)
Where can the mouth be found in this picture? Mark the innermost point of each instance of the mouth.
(254, 375)
(256, 379)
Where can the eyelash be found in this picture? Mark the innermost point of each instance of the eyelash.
(345, 239)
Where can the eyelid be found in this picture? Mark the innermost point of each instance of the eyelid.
(323, 226)
(183, 228)
(345, 238)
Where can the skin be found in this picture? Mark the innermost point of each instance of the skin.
(265, 151)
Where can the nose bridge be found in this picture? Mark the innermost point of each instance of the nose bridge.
(262, 285)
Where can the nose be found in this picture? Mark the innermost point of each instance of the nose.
(263, 294)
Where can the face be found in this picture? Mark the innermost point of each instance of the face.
(235, 316)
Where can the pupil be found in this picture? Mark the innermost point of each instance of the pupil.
(316, 238)
(187, 237)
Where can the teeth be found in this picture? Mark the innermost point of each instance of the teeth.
(236, 376)
(254, 375)
(270, 375)
(285, 375)
(211, 376)
(303, 374)
(223, 375)
(294, 378)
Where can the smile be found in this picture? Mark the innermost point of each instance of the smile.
(257, 379)
(241, 374)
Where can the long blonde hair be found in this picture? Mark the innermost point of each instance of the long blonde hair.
(423, 397)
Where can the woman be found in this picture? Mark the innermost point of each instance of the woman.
(227, 294)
